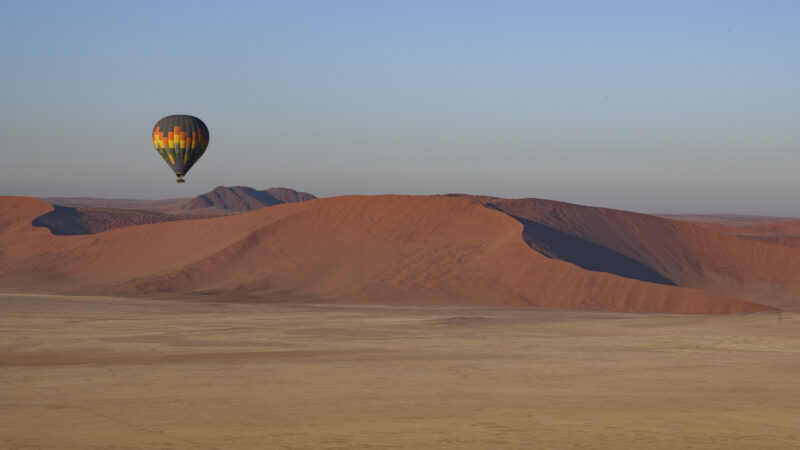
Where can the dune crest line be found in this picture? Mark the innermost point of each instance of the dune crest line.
(398, 250)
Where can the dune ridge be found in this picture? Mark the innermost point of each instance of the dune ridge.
(684, 253)
(373, 249)
(410, 249)
(90, 215)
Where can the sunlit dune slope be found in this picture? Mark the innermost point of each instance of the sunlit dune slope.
(382, 250)
(682, 253)
(785, 233)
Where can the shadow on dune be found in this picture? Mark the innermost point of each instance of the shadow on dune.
(63, 221)
(67, 221)
(587, 255)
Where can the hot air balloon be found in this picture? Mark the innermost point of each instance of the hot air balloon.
(181, 140)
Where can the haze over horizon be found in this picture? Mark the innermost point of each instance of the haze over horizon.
(674, 107)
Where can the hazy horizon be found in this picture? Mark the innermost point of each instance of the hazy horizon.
(679, 107)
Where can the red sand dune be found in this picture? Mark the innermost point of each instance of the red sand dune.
(733, 220)
(686, 254)
(410, 250)
(95, 217)
(784, 233)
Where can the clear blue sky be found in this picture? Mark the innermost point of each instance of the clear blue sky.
(652, 106)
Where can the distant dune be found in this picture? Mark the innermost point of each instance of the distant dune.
(243, 198)
(94, 215)
(66, 220)
(286, 195)
(732, 220)
(411, 250)
(121, 203)
(221, 200)
(769, 230)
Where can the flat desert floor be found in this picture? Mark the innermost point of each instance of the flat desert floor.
(95, 372)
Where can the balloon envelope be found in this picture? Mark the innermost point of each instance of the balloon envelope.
(180, 140)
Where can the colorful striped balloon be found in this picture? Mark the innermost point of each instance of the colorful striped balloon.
(180, 140)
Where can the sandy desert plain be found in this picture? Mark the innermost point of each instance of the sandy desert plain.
(395, 322)
(103, 372)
